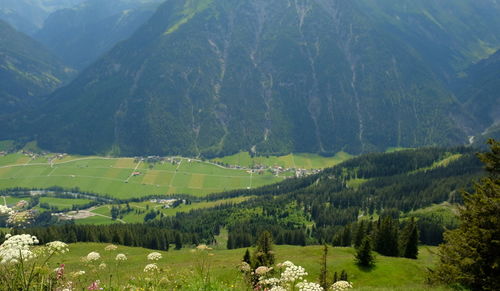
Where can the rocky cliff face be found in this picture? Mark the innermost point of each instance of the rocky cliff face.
(214, 77)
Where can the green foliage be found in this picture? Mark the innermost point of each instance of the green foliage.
(364, 255)
(323, 273)
(471, 254)
(264, 254)
(409, 240)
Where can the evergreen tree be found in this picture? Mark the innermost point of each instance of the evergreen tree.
(335, 277)
(323, 273)
(364, 255)
(471, 253)
(264, 255)
(246, 257)
(343, 276)
(387, 237)
(360, 234)
(178, 241)
(409, 240)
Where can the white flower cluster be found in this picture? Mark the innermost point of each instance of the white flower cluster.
(269, 282)
(154, 256)
(5, 210)
(278, 288)
(341, 286)
(19, 219)
(150, 268)
(292, 272)
(121, 257)
(57, 247)
(93, 256)
(77, 274)
(309, 286)
(17, 248)
(245, 267)
(262, 270)
(110, 248)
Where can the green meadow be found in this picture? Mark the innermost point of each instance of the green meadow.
(301, 160)
(114, 176)
(388, 274)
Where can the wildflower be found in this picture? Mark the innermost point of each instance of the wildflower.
(269, 282)
(150, 268)
(57, 247)
(341, 286)
(18, 219)
(77, 274)
(121, 257)
(93, 256)
(277, 288)
(203, 247)
(154, 256)
(110, 248)
(292, 272)
(59, 272)
(17, 248)
(245, 267)
(94, 286)
(309, 286)
(5, 210)
(262, 270)
(102, 266)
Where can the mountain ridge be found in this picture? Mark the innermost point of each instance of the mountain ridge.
(215, 77)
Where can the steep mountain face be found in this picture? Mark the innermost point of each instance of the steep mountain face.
(27, 70)
(214, 77)
(28, 15)
(479, 90)
(81, 34)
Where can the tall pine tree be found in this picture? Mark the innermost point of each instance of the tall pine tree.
(409, 240)
(471, 253)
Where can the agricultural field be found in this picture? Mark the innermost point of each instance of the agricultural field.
(302, 160)
(63, 203)
(388, 274)
(126, 177)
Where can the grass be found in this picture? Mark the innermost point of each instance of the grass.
(388, 273)
(301, 160)
(113, 176)
(63, 203)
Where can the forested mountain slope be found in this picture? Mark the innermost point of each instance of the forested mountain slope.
(27, 70)
(81, 34)
(213, 77)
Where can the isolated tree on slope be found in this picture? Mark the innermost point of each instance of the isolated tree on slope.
(471, 254)
(264, 255)
(364, 255)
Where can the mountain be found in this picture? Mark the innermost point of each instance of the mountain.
(81, 34)
(213, 77)
(27, 70)
(479, 90)
(28, 15)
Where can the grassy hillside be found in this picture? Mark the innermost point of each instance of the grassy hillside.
(388, 274)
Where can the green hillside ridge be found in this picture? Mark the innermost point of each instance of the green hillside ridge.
(389, 274)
